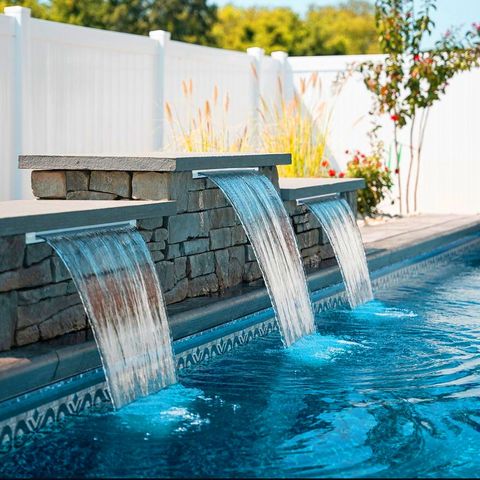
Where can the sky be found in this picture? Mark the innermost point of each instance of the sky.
(449, 12)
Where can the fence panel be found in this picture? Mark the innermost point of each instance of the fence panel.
(88, 91)
(349, 122)
(451, 143)
(7, 99)
(271, 74)
(450, 171)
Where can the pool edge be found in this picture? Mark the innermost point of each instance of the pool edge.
(33, 411)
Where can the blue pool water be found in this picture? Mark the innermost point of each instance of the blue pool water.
(389, 389)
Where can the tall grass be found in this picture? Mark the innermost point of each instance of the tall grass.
(299, 126)
(206, 128)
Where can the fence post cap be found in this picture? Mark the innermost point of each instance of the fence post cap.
(256, 51)
(279, 55)
(160, 35)
(17, 11)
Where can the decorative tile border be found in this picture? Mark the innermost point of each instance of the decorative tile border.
(335, 296)
(393, 275)
(16, 430)
(202, 347)
(226, 343)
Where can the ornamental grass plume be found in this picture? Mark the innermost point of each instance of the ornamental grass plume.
(206, 128)
(299, 126)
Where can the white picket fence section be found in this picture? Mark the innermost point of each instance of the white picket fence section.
(68, 89)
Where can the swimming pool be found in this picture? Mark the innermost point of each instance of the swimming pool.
(389, 389)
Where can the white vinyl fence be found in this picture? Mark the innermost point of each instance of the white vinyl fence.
(68, 89)
(450, 165)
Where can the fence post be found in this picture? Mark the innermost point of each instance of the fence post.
(20, 179)
(257, 55)
(285, 73)
(158, 135)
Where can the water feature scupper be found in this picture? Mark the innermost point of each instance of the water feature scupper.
(338, 221)
(115, 276)
(268, 227)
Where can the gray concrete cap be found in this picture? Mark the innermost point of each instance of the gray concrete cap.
(24, 216)
(296, 188)
(153, 162)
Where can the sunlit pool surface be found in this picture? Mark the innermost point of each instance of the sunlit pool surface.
(390, 389)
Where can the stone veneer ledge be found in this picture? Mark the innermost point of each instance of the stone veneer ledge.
(24, 216)
(298, 188)
(153, 162)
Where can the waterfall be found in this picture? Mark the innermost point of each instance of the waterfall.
(271, 235)
(342, 231)
(115, 276)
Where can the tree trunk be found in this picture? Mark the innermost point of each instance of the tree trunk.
(410, 166)
(423, 126)
(395, 141)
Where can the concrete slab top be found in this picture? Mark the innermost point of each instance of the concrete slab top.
(153, 162)
(296, 188)
(24, 216)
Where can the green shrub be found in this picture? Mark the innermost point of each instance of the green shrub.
(378, 180)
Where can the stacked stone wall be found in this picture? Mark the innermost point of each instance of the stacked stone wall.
(38, 300)
(202, 250)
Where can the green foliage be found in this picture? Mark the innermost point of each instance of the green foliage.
(348, 28)
(378, 181)
(272, 29)
(188, 20)
(342, 30)
(345, 29)
(410, 78)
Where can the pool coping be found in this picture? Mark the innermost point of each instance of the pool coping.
(153, 161)
(293, 188)
(25, 216)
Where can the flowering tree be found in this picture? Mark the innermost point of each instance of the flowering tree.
(410, 80)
